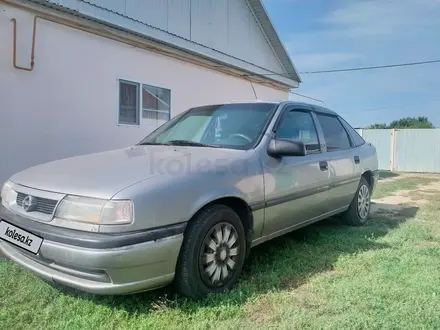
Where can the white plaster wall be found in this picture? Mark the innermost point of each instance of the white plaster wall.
(68, 105)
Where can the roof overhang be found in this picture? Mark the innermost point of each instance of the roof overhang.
(149, 37)
(273, 38)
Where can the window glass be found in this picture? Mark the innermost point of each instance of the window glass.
(192, 129)
(335, 135)
(299, 126)
(155, 104)
(153, 101)
(357, 139)
(236, 126)
(128, 103)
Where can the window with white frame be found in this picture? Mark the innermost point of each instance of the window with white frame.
(153, 102)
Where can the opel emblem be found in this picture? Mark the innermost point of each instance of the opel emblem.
(29, 203)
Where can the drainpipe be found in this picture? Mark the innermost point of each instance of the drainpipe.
(14, 52)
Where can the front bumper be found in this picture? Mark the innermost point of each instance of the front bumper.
(121, 264)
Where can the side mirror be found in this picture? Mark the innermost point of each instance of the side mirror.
(278, 148)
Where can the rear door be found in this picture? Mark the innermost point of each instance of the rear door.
(343, 160)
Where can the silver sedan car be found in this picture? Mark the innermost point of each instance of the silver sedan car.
(187, 203)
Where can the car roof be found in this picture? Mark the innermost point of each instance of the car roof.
(255, 101)
(321, 109)
(315, 107)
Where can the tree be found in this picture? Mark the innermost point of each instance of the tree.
(408, 122)
(411, 122)
(378, 126)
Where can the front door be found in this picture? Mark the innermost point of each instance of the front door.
(296, 187)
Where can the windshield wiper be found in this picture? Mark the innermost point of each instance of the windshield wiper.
(152, 144)
(190, 143)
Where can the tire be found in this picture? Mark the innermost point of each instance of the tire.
(358, 216)
(207, 263)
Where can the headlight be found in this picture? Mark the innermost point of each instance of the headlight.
(96, 211)
(8, 195)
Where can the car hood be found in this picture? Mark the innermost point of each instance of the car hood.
(104, 174)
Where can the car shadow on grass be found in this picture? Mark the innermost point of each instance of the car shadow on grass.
(283, 263)
(387, 174)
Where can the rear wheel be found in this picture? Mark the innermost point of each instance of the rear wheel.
(359, 209)
(212, 254)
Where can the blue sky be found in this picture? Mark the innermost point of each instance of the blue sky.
(333, 34)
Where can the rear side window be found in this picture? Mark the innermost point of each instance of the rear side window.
(336, 137)
(357, 139)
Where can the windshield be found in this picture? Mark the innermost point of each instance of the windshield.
(237, 126)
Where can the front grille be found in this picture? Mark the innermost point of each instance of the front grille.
(44, 205)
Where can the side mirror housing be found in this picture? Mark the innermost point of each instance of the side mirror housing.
(279, 148)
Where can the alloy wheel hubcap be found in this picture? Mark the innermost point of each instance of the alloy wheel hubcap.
(220, 249)
(363, 202)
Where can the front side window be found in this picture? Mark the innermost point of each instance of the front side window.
(336, 137)
(299, 126)
(237, 126)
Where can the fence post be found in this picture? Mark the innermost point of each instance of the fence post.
(393, 150)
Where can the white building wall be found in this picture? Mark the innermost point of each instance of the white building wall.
(68, 105)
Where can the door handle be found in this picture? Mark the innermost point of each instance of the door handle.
(357, 159)
(323, 165)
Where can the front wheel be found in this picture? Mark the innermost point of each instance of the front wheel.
(212, 254)
(359, 209)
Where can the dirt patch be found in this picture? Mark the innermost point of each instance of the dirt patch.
(434, 186)
(421, 175)
(403, 202)
(402, 197)
(424, 194)
(399, 205)
(392, 210)
(421, 193)
(391, 179)
(402, 175)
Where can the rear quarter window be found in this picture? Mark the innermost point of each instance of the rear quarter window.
(357, 139)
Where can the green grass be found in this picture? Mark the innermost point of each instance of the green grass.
(408, 183)
(384, 275)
